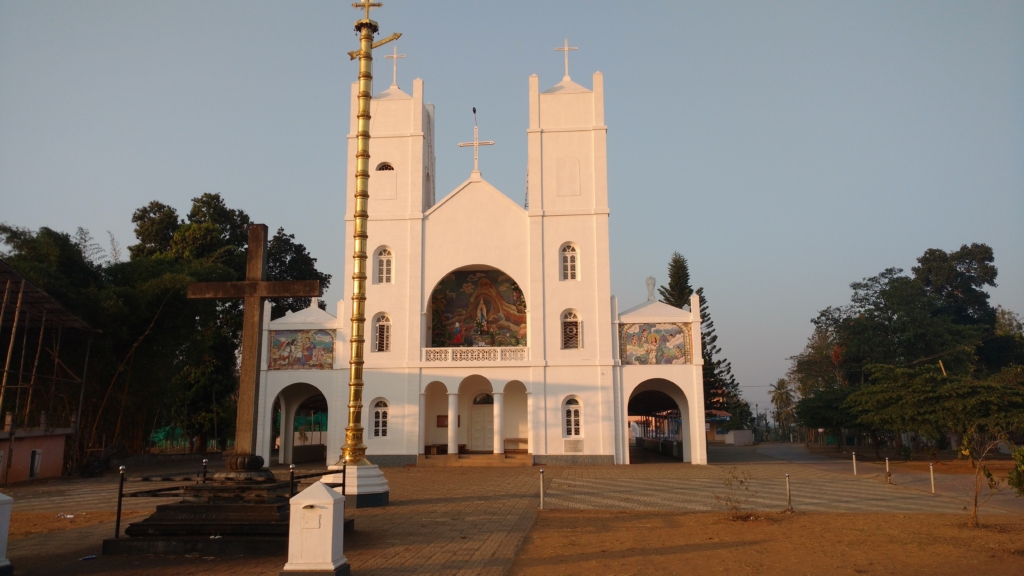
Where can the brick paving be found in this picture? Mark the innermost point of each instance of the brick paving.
(473, 520)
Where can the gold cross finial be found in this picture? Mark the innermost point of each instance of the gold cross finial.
(367, 5)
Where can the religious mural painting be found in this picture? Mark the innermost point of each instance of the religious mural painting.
(301, 350)
(655, 344)
(477, 308)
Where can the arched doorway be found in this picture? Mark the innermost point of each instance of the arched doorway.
(477, 306)
(476, 400)
(658, 422)
(300, 418)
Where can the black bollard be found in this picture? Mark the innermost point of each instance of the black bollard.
(120, 497)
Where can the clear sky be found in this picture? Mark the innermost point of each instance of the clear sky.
(785, 148)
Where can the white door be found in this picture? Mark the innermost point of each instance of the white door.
(482, 437)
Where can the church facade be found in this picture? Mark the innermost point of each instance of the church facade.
(490, 326)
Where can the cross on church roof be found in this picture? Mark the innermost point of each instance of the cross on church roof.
(566, 48)
(394, 72)
(367, 5)
(476, 144)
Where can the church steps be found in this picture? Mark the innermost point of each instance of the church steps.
(482, 460)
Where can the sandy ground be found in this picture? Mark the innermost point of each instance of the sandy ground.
(620, 542)
(28, 523)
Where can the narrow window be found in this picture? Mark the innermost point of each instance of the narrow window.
(380, 419)
(570, 261)
(573, 409)
(382, 334)
(385, 262)
(571, 333)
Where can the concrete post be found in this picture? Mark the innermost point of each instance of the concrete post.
(499, 422)
(316, 532)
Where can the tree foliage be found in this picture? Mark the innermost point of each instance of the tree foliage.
(923, 353)
(160, 359)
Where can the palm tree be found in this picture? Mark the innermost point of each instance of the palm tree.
(782, 398)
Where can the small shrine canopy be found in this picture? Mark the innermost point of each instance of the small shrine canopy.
(34, 302)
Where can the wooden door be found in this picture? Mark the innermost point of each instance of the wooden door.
(482, 432)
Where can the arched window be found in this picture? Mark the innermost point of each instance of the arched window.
(570, 262)
(384, 166)
(484, 398)
(572, 331)
(385, 264)
(573, 417)
(382, 334)
(380, 419)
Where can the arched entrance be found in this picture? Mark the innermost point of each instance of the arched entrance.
(476, 400)
(300, 419)
(659, 422)
(477, 306)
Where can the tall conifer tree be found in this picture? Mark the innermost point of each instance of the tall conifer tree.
(678, 291)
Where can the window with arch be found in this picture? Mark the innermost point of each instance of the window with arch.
(572, 331)
(385, 166)
(385, 265)
(573, 417)
(570, 262)
(380, 419)
(382, 334)
(483, 398)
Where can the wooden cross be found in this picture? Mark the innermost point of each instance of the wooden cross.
(566, 48)
(254, 289)
(367, 5)
(394, 73)
(476, 144)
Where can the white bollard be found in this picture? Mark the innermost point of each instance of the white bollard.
(854, 463)
(931, 472)
(541, 488)
(316, 531)
(5, 526)
(789, 496)
(888, 476)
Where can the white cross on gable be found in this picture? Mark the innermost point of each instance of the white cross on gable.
(476, 144)
(394, 73)
(566, 48)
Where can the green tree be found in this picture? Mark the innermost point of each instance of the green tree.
(289, 260)
(783, 401)
(155, 225)
(678, 291)
(958, 279)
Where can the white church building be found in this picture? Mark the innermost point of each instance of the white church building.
(492, 333)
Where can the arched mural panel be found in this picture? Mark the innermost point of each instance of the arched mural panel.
(477, 307)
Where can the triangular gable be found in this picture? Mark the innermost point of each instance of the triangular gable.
(311, 315)
(475, 184)
(655, 312)
(566, 86)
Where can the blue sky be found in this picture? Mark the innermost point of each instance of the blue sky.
(785, 148)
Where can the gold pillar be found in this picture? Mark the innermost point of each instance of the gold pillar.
(354, 451)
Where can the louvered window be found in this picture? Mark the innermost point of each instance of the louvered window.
(572, 336)
(382, 334)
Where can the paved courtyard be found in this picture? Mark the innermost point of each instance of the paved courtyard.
(473, 520)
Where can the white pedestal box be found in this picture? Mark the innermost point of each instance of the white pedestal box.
(5, 528)
(316, 533)
(365, 486)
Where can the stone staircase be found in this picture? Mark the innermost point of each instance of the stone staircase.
(507, 459)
